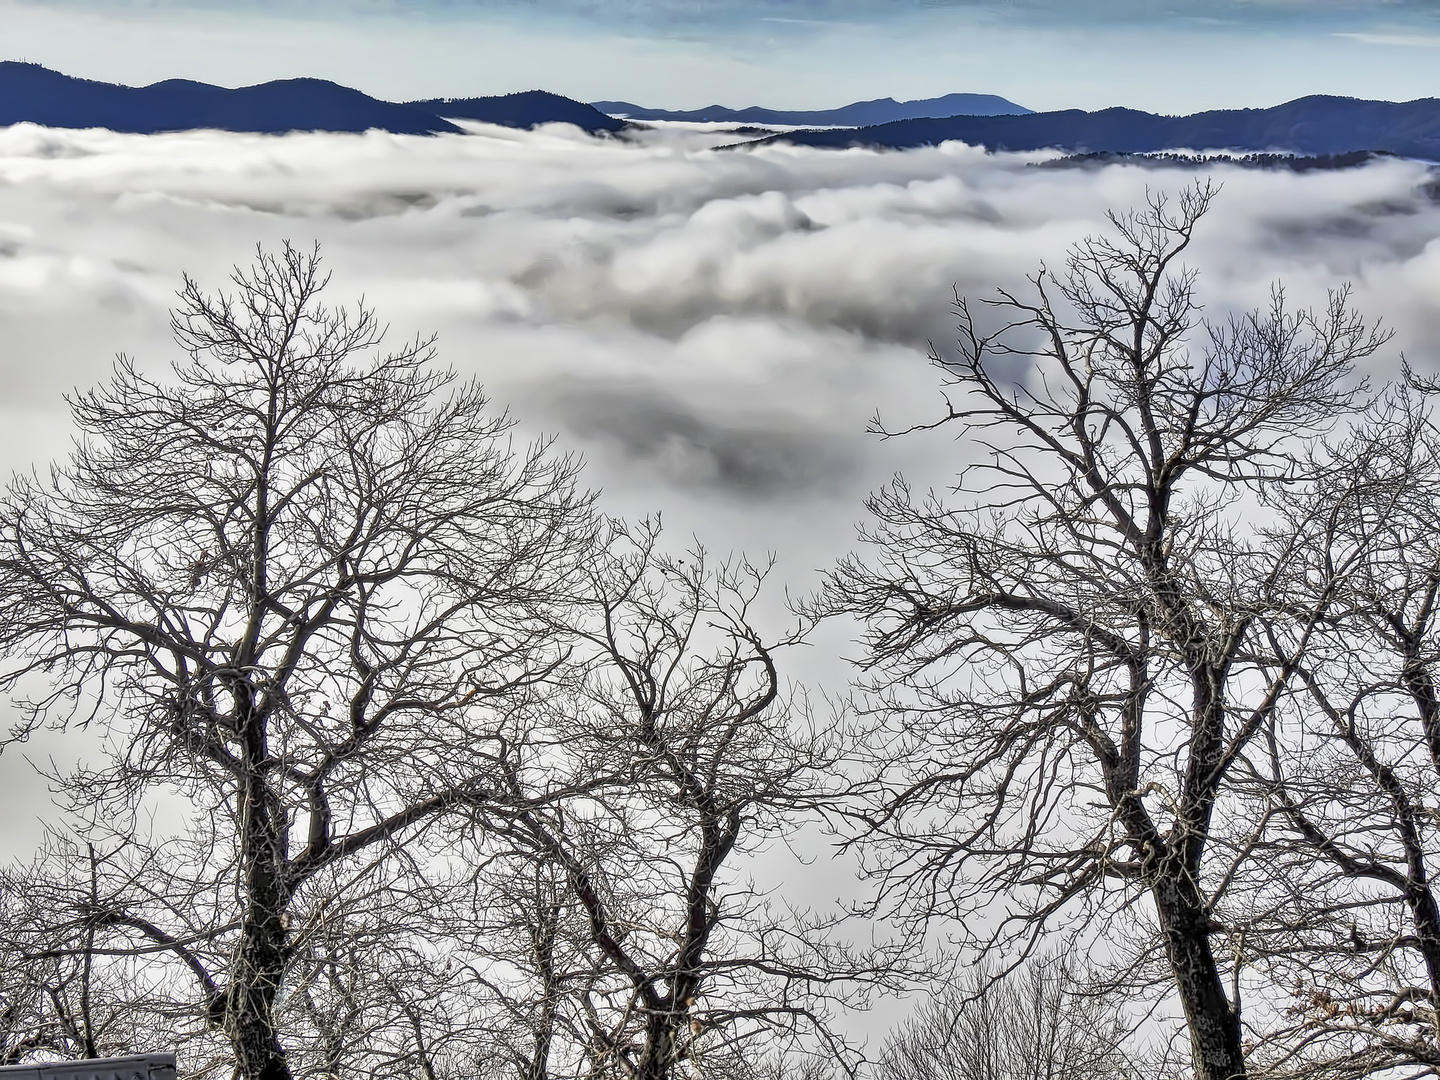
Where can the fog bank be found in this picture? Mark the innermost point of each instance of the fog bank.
(712, 329)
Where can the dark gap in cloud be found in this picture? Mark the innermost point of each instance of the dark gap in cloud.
(746, 454)
(1375, 229)
(580, 286)
(881, 319)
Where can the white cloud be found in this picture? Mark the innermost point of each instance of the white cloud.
(712, 328)
(1408, 40)
(552, 261)
(550, 258)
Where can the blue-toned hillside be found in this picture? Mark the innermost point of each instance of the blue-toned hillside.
(1316, 125)
(523, 110)
(857, 114)
(29, 92)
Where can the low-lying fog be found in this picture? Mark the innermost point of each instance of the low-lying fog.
(711, 328)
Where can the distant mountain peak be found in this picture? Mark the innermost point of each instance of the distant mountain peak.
(856, 114)
(30, 92)
(524, 108)
(33, 93)
(1319, 125)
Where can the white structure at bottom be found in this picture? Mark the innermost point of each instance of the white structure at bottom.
(140, 1067)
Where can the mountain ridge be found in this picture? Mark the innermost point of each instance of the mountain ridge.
(856, 114)
(1317, 124)
(519, 109)
(35, 94)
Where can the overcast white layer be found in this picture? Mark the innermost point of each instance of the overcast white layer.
(711, 328)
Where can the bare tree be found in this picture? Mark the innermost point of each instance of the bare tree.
(696, 756)
(375, 990)
(1343, 909)
(45, 1002)
(297, 581)
(1041, 1022)
(65, 992)
(1074, 657)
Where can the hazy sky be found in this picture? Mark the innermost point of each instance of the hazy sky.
(1171, 57)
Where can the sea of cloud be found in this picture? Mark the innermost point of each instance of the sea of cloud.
(712, 328)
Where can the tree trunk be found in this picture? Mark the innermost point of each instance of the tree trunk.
(1213, 1024)
(1425, 915)
(543, 940)
(662, 1043)
(254, 989)
(264, 948)
(1420, 896)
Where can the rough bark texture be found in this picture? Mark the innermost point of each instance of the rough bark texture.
(264, 952)
(1213, 1026)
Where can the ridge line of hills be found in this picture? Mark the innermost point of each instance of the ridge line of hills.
(1317, 125)
(31, 92)
(856, 114)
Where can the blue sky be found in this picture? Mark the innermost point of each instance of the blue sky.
(1176, 57)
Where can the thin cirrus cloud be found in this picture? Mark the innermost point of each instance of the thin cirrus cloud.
(1401, 40)
(812, 17)
(702, 11)
(1179, 57)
